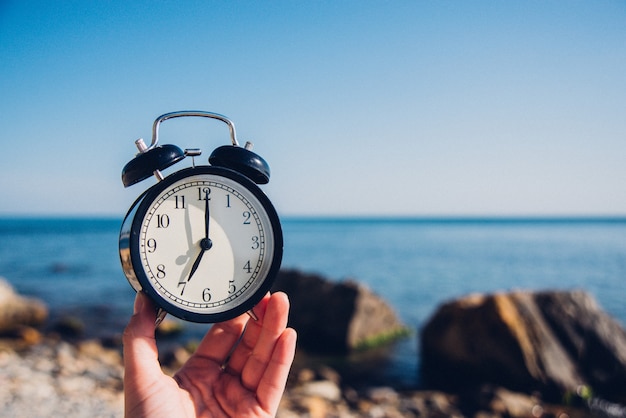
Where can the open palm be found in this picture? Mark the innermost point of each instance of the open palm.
(249, 383)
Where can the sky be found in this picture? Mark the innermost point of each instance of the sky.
(361, 108)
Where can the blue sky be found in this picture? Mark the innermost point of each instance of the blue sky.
(427, 108)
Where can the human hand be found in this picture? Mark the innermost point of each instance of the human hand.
(250, 383)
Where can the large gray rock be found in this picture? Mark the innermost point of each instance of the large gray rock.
(553, 342)
(17, 311)
(336, 317)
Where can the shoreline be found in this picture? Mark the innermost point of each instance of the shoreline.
(83, 378)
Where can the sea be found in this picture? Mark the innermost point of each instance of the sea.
(414, 264)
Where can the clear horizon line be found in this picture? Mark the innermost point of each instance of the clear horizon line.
(356, 217)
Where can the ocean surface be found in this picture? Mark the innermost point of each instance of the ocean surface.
(414, 264)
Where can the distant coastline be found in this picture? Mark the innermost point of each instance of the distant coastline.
(479, 219)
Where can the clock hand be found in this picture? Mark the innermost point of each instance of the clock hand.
(207, 216)
(205, 243)
(196, 263)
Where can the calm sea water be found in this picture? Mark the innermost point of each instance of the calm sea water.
(414, 264)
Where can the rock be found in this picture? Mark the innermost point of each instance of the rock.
(20, 338)
(174, 358)
(169, 328)
(305, 375)
(316, 407)
(507, 403)
(438, 404)
(490, 401)
(324, 389)
(382, 394)
(592, 339)
(69, 327)
(551, 342)
(17, 311)
(30, 336)
(336, 317)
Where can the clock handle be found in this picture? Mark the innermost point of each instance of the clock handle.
(197, 113)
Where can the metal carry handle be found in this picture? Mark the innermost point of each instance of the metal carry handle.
(200, 113)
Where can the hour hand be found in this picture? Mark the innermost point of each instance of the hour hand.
(205, 244)
(195, 265)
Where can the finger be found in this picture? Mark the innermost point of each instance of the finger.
(273, 325)
(249, 339)
(221, 338)
(140, 350)
(272, 384)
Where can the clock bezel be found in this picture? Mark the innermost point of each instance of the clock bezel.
(130, 245)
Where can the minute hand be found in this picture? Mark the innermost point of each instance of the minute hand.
(205, 243)
(207, 218)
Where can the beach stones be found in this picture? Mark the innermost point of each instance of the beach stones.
(336, 317)
(552, 342)
(17, 311)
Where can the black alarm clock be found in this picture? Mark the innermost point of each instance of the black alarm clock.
(204, 243)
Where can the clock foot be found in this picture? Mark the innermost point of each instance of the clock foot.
(160, 317)
(252, 315)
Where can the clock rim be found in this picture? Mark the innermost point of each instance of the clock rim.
(143, 204)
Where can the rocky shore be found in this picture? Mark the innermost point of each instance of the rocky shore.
(84, 379)
(54, 373)
(56, 378)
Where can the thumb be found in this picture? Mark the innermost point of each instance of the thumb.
(140, 349)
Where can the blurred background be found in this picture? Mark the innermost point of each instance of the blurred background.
(427, 148)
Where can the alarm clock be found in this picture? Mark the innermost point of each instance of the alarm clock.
(205, 242)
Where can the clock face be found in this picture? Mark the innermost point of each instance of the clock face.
(206, 244)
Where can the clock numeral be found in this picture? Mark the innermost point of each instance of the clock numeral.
(206, 295)
(184, 283)
(247, 268)
(227, 200)
(152, 245)
(180, 202)
(203, 193)
(160, 271)
(255, 243)
(231, 287)
(246, 217)
(163, 221)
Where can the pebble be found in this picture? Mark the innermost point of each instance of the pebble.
(324, 389)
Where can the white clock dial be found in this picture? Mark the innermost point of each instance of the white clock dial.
(205, 244)
(177, 262)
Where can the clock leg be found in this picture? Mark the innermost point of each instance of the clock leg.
(160, 317)
(252, 315)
